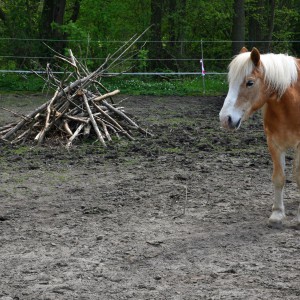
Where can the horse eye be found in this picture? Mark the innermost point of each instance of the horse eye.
(249, 83)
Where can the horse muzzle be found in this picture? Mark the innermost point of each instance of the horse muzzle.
(228, 122)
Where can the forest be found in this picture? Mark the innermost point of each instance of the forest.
(32, 31)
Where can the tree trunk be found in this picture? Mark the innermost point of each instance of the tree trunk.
(172, 8)
(181, 34)
(75, 12)
(176, 26)
(2, 15)
(270, 25)
(261, 24)
(238, 28)
(53, 12)
(255, 25)
(156, 47)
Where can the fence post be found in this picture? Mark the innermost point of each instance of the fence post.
(202, 69)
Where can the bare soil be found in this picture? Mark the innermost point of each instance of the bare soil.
(181, 215)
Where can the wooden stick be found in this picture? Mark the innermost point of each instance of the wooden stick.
(123, 132)
(78, 119)
(113, 129)
(104, 88)
(104, 129)
(124, 116)
(47, 123)
(120, 113)
(3, 131)
(71, 139)
(21, 123)
(126, 49)
(108, 116)
(73, 60)
(15, 114)
(8, 126)
(114, 122)
(87, 130)
(108, 95)
(98, 133)
(16, 140)
(67, 128)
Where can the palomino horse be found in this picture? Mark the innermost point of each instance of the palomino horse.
(271, 82)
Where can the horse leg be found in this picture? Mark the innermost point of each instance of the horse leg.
(297, 177)
(278, 179)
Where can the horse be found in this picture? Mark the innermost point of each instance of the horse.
(270, 82)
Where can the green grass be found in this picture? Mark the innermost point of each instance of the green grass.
(10, 82)
(181, 86)
(210, 85)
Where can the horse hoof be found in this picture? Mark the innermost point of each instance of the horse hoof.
(276, 224)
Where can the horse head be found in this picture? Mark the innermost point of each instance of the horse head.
(247, 89)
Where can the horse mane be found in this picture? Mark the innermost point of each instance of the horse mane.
(280, 70)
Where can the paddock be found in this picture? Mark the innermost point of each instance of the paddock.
(181, 215)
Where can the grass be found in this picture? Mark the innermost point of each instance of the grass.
(181, 86)
(209, 85)
(174, 150)
(10, 82)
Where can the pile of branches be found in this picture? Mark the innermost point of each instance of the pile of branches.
(80, 107)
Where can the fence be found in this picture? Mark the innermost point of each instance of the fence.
(179, 58)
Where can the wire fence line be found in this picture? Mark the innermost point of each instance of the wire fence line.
(207, 57)
(121, 73)
(149, 41)
(129, 59)
(194, 61)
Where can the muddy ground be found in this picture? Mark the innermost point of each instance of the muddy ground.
(182, 215)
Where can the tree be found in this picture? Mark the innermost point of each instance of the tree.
(261, 23)
(270, 24)
(178, 28)
(238, 26)
(156, 48)
(2, 15)
(53, 16)
(75, 10)
(175, 17)
(18, 23)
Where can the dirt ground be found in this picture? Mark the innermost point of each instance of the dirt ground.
(182, 215)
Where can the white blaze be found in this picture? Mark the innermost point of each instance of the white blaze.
(229, 109)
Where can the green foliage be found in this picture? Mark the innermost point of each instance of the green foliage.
(212, 85)
(21, 22)
(142, 56)
(10, 82)
(102, 27)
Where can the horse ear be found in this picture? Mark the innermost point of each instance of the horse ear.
(243, 50)
(255, 57)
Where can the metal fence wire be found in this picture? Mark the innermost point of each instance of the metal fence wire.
(191, 58)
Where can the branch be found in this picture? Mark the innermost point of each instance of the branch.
(98, 133)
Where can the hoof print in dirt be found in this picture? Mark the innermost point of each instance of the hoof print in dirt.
(95, 211)
(295, 226)
(4, 218)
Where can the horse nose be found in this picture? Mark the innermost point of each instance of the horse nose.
(229, 121)
(233, 124)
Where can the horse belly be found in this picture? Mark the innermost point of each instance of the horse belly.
(282, 122)
(284, 137)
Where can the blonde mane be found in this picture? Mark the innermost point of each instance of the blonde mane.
(280, 70)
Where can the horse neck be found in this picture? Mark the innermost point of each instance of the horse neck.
(285, 110)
